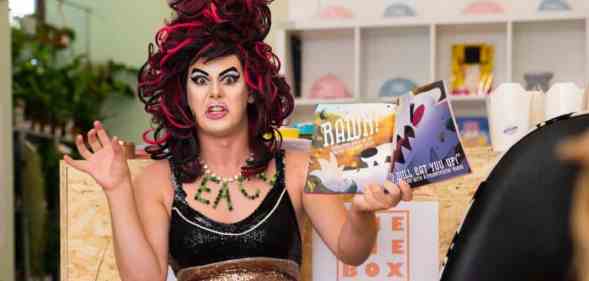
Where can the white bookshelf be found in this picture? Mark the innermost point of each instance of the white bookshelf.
(458, 99)
(333, 51)
(398, 51)
(365, 52)
(451, 34)
(551, 46)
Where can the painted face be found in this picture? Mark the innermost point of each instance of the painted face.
(217, 94)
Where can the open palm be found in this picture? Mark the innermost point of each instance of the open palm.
(104, 161)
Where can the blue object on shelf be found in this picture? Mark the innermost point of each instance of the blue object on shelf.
(305, 128)
(554, 5)
(396, 87)
(474, 130)
(399, 10)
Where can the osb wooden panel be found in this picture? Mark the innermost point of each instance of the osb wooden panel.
(454, 195)
(86, 243)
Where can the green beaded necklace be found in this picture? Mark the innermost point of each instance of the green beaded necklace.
(224, 182)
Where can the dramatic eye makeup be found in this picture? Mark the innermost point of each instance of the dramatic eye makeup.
(230, 76)
(199, 76)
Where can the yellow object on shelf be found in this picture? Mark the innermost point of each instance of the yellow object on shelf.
(472, 69)
(289, 133)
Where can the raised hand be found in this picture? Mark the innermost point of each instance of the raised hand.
(374, 197)
(105, 161)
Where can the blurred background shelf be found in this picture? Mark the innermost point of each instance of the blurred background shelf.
(468, 98)
(320, 24)
(314, 102)
(364, 52)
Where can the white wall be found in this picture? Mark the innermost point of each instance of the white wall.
(6, 174)
(121, 30)
(279, 17)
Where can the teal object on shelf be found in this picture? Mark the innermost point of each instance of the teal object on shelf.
(305, 128)
(399, 10)
(554, 5)
(396, 87)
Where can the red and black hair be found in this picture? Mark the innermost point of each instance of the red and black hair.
(211, 29)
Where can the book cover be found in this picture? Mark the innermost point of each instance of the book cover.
(427, 145)
(474, 131)
(414, 140)
(351, 147)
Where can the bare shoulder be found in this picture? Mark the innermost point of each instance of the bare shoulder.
(154, 182)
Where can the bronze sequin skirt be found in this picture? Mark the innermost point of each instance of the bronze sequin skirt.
(246, 269)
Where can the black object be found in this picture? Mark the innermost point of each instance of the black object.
(296, 57)
(270, 231)
(518, 226)
(472, 55)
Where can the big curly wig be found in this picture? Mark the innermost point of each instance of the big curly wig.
(210, 29)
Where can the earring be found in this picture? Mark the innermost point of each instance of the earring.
(250, 99)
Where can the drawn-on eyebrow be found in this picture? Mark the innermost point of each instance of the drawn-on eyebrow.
(198, 70)
(229, 70)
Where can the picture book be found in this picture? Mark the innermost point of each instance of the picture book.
(474, 131)
(427, 145)
(413, 139)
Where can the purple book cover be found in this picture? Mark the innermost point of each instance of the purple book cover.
(426, 145)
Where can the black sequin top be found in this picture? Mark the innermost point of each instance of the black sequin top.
(270, 231)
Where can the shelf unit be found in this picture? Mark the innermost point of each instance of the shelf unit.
(364, 53)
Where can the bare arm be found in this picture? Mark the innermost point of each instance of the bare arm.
(349, 234)
(139, 218)
(140, 226)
